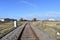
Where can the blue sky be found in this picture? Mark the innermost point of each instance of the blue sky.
(28, 9)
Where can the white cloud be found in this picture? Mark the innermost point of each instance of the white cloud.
(31, 4)
(55, 15)
(42, 16)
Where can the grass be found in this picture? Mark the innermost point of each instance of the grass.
(8, 27)
(58, 39)
(49, 27)
(20, 23)
(4, 28)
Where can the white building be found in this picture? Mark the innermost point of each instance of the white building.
(51, 19)
(2, 19)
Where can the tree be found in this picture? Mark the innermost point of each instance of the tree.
(34, 19)
(21, 19)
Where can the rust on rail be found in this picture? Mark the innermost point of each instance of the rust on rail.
(19, 38)
(34, 33)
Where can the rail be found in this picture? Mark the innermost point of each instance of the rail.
(14, 34)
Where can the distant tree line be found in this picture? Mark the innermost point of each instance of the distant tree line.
(34, 19)
(21, 19)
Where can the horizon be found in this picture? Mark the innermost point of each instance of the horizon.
(29, 9)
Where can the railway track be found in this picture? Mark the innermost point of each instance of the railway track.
(28, 33)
